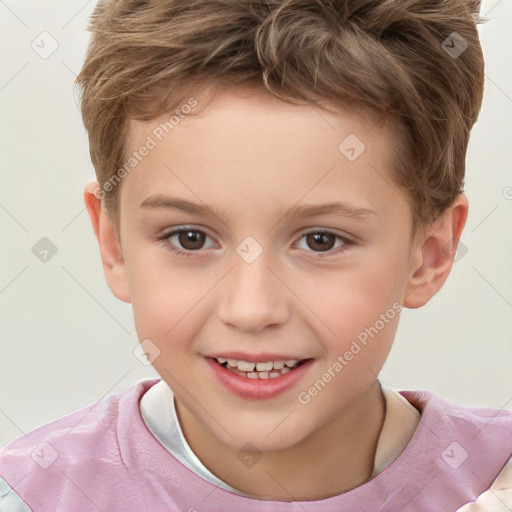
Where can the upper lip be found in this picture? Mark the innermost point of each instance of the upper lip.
(256, 358)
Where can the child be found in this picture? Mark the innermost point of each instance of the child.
(276, 181)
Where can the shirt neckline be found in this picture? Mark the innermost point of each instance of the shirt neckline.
(158, 411)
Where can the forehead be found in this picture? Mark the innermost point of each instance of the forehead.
(246, 148)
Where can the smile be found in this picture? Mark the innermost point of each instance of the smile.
(258, 380)
(265, 370)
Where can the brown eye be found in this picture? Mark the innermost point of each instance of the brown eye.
(191, 240)
(320, 241)
(324, 243)
(188, 241)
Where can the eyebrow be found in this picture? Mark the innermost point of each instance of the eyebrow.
(159, 201)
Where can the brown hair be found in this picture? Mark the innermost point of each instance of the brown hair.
(391, 57)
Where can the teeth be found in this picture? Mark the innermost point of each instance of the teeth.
(266, 370)
(246, 367)
(264, 367)
(260, 367)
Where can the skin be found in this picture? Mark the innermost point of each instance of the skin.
(250, 158)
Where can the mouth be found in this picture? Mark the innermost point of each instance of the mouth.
(264, 379)
(261, 370)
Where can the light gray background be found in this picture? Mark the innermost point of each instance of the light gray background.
(67, 342)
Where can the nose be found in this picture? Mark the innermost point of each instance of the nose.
(252, 298)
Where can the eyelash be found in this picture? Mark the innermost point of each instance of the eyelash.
(165, 238)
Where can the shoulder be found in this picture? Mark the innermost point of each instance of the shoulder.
(470, 445)
(80, 447)
(464, 419)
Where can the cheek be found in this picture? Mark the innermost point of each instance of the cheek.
(347, 301)
(164, 296)
(364, 332)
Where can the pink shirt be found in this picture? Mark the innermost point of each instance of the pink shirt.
(103, 457)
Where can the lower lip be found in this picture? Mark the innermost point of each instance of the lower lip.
(258, 389)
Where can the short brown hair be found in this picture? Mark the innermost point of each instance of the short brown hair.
(391, 57)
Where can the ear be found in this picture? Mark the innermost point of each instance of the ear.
(433, 253)
(110, 247)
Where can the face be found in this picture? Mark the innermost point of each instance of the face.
(253, 232)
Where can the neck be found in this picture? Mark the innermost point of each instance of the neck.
(340, 455)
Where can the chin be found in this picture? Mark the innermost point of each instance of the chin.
(270, 436)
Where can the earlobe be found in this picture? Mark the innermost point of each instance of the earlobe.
(110, 248)
(433, 255)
